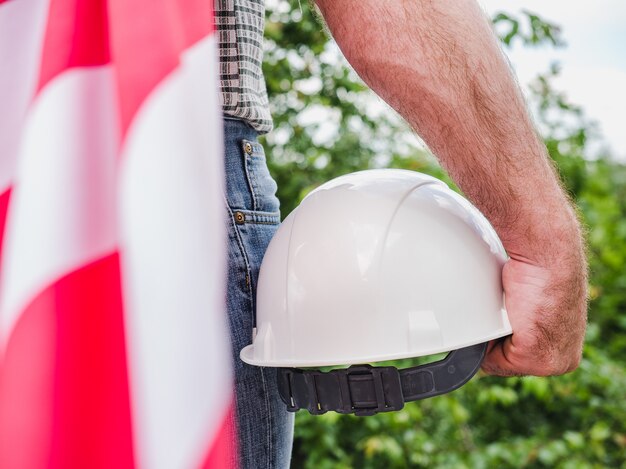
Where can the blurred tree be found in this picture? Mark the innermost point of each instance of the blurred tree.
(328, 123)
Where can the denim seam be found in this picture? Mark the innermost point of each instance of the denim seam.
(245, 259)
(269, 418)
(262, 222)
(259, 217)
(245, 163)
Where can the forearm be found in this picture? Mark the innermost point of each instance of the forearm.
(438, 64)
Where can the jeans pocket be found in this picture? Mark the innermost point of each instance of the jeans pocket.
(262, 185)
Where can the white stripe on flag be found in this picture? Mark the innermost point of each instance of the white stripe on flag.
(22, 25)
(173, 257)
(63, 205)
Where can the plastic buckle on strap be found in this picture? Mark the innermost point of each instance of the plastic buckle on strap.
(372, 390)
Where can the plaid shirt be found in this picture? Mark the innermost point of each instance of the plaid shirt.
(240, 24)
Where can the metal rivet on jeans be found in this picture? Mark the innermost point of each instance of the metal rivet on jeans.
(240, 218)
(247, 147)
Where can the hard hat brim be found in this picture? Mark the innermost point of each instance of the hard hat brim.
(247, 354)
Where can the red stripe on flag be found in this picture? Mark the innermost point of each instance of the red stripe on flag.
(223, 448)
(26, 389)
(4, 207)
(76, 36)
(197, 20)
(84, 420)
(160, 31)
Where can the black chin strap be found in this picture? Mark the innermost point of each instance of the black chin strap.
(367, 390)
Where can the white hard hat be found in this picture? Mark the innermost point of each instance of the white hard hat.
(372, 266)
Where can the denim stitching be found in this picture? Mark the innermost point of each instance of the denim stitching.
(269, 417)
(251, 219)
(260, 217)
(245, 163)
(244, 255)
(263, 222)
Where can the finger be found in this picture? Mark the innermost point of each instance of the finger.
(497, 360)
(491, 345)
(504, 359)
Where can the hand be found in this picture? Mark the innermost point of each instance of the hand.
(548, 313)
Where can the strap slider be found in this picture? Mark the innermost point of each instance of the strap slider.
(373, 389)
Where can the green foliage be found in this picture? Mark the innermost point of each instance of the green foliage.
(531, 30)
(572, 421)
(326, 122)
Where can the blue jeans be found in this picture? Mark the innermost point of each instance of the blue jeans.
(265, 428)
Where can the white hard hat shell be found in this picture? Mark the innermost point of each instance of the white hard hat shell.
(378, 265)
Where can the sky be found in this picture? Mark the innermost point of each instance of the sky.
(593, 62)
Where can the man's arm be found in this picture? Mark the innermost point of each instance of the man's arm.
(438, 63)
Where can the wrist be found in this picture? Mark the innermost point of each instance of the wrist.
(550, 236)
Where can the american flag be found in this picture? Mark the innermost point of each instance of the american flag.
(113, 337)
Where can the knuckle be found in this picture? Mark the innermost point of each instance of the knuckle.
(557, 365)
(554, 366)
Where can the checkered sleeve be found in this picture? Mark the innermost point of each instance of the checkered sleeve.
(240, 25)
